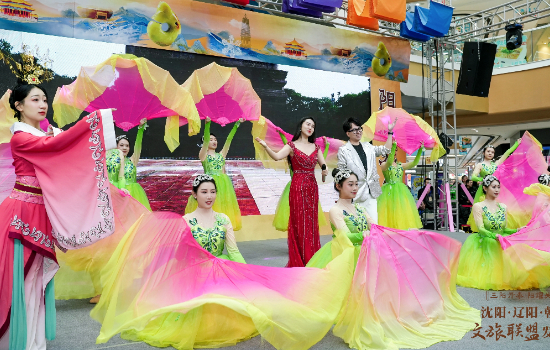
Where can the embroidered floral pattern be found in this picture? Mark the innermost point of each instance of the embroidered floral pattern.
(495, 222)
(212, 239)
(487, 169)
(213, 165)
(359, 220)
(394, 174)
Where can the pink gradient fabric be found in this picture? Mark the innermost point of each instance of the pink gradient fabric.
(407, 133)
(535, 235)
(159, 270)
(132, 101)
(403, 293)
(7, 171)
(521, 169)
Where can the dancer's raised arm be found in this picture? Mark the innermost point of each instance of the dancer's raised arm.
(416, 160)
(227, 144)
(139, 141)
(205, 140)
(507, 153)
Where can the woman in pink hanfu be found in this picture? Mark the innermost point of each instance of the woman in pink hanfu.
(47, 207)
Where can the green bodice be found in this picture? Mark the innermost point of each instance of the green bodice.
(113, 167)
(213, 165)
(487, 169)
(394, 174)
(211, 239)
(356, 224)
(495, 222)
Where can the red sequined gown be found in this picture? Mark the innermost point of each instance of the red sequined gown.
(303, 226)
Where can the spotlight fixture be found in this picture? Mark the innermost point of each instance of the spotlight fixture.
(514, 36)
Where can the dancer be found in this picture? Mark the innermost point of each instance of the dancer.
(481, 262)
(123, 169)
(213, 164)
(487, 167)
(403, 292)
(346, 219)
(212, 230)
(542, 191)
(165, 289)
(303, 226)
(396, 206)
(282, 213)
(46, 207)
(360, 157)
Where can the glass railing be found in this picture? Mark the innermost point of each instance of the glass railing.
(535, 47)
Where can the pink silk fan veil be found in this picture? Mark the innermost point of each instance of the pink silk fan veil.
(521, 169)
(163, 288)
(223, 94)
(136, 88)
(409, 131)
(270, 133)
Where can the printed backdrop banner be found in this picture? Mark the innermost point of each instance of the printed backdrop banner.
(209, 29)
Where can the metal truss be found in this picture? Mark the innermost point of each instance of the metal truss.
(490, 22)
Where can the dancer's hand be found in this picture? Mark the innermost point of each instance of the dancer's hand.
(325, 140)
(392, 125)
(50, 131)
(142, 122)
(242, 120)
(208, 120)
(125, 192)
(366, 233)
(262, 142)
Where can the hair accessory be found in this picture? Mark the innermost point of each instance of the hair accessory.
(201, 178)
(122, 137)
(27, 67)
(342, 174)
(487, 180)
(544, 179)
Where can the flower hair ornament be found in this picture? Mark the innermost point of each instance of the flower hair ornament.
(342, 174)
(544, 179)
(27, 67)
(201, 178)
(488, 180)
(122, 137)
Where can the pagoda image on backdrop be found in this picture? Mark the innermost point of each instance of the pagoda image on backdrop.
(294, 50)
(245, 33)
(17, 10)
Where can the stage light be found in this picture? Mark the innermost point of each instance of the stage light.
(514, 36)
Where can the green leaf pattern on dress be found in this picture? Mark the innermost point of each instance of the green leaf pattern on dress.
(495, 222)
(356, 223)
(213, 164)
(487, 169)
(212, 239)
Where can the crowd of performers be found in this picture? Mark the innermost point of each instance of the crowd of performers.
(179, 281)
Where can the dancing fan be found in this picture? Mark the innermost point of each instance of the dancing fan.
(136, 88)
(223, 94)
(408, 132)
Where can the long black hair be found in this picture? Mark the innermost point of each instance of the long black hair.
(298, 133)
(20, 92)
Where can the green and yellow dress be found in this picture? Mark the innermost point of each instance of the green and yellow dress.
(481, 263)
(486, 170)
(396, 206)
(350, 235)
(216, 238)
(226, 199)
(127, 178)
(282, 213)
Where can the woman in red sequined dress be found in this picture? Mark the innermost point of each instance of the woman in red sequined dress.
(303, 226)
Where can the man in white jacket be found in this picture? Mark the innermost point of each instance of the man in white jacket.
(360, 157)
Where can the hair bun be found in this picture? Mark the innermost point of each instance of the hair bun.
(335, 172)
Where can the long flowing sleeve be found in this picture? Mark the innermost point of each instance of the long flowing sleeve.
(325, 153)
(206, 139)
(477, 211)
(508, 152)
(417, 158)
(138, 144)
(391, 157)
(230, 138)
(477, 178)
(231, 244)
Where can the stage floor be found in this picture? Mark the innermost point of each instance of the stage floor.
(76, 330)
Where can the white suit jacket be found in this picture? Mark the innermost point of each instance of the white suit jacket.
(348, 158)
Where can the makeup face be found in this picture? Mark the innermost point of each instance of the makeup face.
(213, 144)
(308, 127)
(34, 107)
(206, 195)
(489, 153)
(493, 190)
(124, 146)
(355, 133)
(349, 188)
